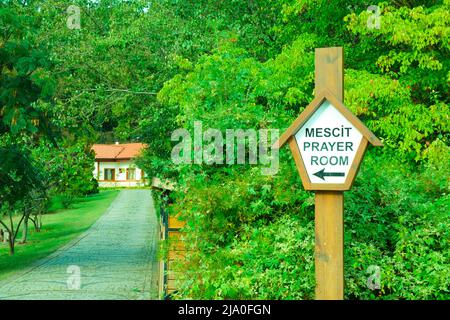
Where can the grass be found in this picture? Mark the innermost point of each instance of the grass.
(60, 226)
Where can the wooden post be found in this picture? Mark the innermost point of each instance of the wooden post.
(329, 205)
(329, 226)
(329, 249)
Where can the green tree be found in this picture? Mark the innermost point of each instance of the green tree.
(242, 228)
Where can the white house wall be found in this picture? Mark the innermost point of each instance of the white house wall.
(120, 177)
(120, 184)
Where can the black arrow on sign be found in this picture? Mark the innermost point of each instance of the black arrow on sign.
(321, 174)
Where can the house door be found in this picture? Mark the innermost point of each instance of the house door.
(110, 174)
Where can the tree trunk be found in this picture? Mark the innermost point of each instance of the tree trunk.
(11, 238)
(25, 230)
(38, 219)
(35, 221)
(11, 245)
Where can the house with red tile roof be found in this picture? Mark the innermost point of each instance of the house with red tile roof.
(115, 167)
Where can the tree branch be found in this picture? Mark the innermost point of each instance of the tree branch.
(3, 224)
(123, 90)
(18, 227)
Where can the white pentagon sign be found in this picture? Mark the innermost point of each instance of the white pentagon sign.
(328, 143)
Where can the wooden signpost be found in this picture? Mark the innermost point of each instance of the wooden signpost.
(328, 143)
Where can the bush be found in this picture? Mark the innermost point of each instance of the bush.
(393, 220)
(67, 199)
(248, 242)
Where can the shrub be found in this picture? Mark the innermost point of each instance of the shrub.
(67, 199)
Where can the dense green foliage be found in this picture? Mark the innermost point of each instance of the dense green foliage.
(136, 71)
(29, 173)
(252, 236)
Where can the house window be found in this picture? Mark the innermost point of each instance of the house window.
(110, 174)
(131, 174)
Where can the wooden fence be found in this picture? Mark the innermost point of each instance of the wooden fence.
(171, 233)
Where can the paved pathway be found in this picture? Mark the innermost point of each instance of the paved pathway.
(116, 258)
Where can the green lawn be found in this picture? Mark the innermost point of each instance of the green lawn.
(59, 227)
